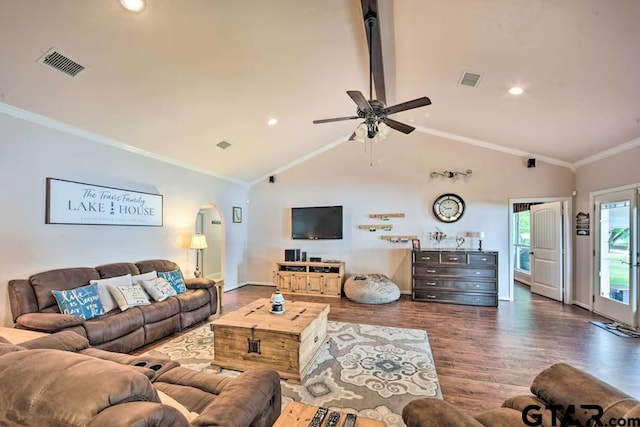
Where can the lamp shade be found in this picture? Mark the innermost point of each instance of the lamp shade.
(198, 241)
(476, 234)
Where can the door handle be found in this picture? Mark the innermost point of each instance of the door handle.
(530, 253)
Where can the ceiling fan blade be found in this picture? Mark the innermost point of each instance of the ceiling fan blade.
(370, 10)
(337, 119)
(360, 100)
(415, 103)
(399, 126)
(352, 137)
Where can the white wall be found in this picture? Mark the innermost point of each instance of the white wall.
(615, 171)
(30, 152)
(399, 181)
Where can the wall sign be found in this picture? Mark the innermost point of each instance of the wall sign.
(70, 202)
(582, 224)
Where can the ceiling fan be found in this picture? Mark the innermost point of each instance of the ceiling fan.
(375, 113)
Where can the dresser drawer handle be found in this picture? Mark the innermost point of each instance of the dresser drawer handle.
(426, 258)
(431, 296)
(453, 258)
(431, 271)
(476, 286)
(477, 272)
(483, 259)
(431, 283)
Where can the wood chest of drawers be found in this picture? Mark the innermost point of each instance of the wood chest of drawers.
(456, 277)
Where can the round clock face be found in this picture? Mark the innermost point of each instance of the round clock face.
(448, 207)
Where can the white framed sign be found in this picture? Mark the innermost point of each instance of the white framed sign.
(70, 202)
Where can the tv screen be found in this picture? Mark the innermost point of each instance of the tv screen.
(316, 223)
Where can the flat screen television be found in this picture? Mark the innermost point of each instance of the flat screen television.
(316, 223)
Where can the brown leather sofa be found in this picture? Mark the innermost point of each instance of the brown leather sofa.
(562, 395)
(58, 380)
(34, 307)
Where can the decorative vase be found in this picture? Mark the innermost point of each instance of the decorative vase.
(277, 303)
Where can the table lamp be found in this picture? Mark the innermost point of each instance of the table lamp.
(476, 235)
(198, 242)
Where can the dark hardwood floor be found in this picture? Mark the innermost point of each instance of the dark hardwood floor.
(484, 355)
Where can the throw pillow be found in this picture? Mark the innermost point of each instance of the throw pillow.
(128, 296)
(82, 302)
(108, 303)
(158, 288)
(175, 279)
(144, 276)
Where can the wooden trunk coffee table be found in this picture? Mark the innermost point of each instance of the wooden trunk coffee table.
(299, 415)
(252, 337)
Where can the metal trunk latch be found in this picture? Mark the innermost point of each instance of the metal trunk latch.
(253, 345)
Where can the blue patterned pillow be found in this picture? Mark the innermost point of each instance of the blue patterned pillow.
(82, 302)
(175, 280)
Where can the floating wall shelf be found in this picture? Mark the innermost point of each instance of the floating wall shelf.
(385, 227)
(399, 238)
(386, 216)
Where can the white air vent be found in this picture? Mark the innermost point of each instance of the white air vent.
(223, 144)
(470, 79)
(55, 59)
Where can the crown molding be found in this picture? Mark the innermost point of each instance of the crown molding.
(634, 143)
(495, 147)
(302, 159)
(28, 116)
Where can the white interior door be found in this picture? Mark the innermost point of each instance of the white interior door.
(546, 250)
(616, 260)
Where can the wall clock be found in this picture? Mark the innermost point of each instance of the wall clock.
(448, 207)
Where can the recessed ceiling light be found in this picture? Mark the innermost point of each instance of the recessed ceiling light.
(133, 5)
(516, 90)
(272, 122)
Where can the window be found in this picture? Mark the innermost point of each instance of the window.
(522, 246)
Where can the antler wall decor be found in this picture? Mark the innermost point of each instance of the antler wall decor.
(451, 174)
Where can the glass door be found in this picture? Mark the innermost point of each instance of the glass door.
(616, 256)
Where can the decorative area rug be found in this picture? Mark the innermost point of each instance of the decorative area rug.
(372, 371)
(618, 329)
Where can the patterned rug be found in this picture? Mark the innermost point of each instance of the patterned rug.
(372, 371)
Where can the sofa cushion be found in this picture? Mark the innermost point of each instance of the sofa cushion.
(159, 310)
(170, 401)
(56, 388)
(193, 299)
(82, 302)
(157, 265)
(158, 288)
(113, 325)
(128, 296)
(107, 271)
(62, 279)
(103, 289)
(175, 279)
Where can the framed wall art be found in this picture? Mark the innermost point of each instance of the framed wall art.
(70, 202)
(237, 214)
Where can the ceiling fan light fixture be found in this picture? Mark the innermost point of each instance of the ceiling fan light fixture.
(361, 132)
(516, 90)
(133, 5)
(383, 129)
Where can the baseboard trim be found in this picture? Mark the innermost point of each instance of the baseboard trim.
(581, 305)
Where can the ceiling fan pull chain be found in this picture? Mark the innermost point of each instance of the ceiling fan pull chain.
(371, 153)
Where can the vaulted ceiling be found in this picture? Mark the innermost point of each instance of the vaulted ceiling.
(181, 76)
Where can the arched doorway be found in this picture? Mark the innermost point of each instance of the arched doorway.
(209, 223)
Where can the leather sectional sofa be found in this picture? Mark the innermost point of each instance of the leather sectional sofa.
(34, 307)
(58, 380)
(562, 395)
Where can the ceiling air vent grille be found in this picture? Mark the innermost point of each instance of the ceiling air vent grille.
(223, 144)
(55, 59)
(470, 79)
